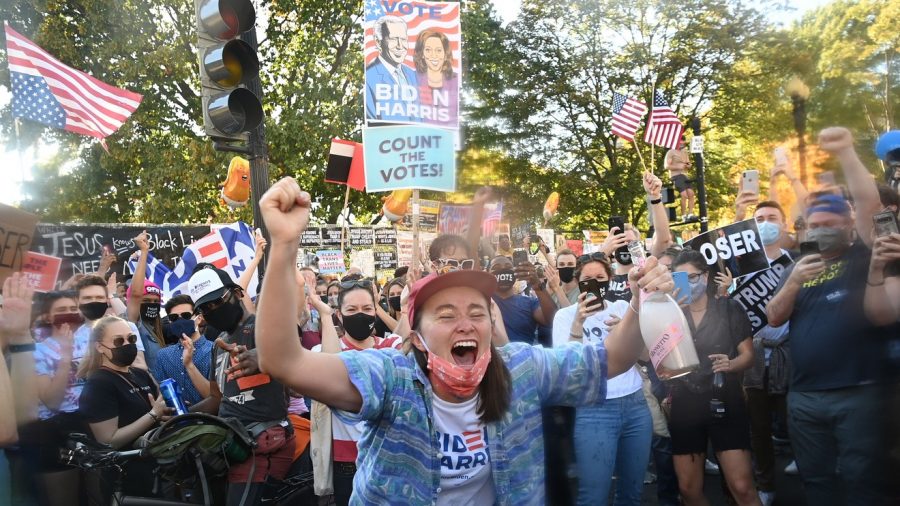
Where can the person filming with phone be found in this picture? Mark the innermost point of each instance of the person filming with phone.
(834, 398)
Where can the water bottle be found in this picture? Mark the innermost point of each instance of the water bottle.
(664, 328)
(717, 404)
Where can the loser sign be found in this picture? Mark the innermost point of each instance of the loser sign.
(736, 246)
(16, 233)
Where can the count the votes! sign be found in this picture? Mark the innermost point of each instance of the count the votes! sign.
(409, 157)
(736, 247)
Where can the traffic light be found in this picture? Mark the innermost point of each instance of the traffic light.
(227, 65)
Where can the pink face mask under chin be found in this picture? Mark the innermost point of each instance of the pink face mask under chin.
(462, 381)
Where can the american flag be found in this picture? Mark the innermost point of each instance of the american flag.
(491, 218)
(47, 91)
(627, 114)
(474, 439)
(664, 128)
(415, 13)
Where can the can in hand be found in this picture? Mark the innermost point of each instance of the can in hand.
(172, 395)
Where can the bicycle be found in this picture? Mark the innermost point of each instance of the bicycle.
(188, 450)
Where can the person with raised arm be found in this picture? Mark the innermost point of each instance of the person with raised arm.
(454, 386)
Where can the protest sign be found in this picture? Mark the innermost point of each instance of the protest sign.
(548, 235)
(593, 239)
(454, 219)
(405, 247)
(331, 261)
(409, 157)
(576, 246)
(310, 238)
(736, 246)
(755, 291)
(412, 57)
(361, 237)
(385, 258)
(365, 260)
(385, 236)
(41, 271)
(331, 235)
(81, 246)
(16, 234)
(428, 217)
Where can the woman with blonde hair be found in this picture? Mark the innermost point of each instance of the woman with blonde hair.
(119, 402)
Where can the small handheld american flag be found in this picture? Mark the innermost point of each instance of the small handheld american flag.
(664, 128)
(626, 117)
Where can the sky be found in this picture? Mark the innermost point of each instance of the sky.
(16, 165)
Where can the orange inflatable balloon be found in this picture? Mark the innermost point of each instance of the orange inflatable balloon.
(551, 206)
(396, 205)
(236, 190)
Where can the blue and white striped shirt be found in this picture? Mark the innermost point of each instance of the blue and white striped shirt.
(399, 458)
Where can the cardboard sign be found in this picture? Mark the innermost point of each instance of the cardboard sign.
(576, 246)
(16, 233)
(736, 246)
(41, 271)
(454, 219)
(365, 260)
(400, 88)
(331, 261)
(754, 292)
(361, 237)
(409, 157)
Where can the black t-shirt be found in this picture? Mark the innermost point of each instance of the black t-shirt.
(619, 289)
(108, 394)
(257, 398)
(833, 344)
(724, 325)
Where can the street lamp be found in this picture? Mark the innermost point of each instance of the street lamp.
(799, 92)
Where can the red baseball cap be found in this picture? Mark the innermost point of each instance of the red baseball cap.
(424, 288)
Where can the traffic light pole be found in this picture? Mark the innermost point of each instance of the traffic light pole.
(701, 180)
(259, 156)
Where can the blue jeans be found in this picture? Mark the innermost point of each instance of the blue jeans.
(613, 437)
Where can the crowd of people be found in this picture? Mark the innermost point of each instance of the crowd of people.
(469, 383)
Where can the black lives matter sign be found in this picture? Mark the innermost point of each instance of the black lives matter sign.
(736, 247)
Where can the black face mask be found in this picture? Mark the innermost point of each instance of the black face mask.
(226, 316)
(324, 298)
(149, 310)
(93, 310)
(173, 331)
(359, 326)
(394, 302)
(566, 274)
(506, 278)
(623, 257)
(124, 355)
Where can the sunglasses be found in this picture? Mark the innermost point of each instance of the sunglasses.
(447, 265)
(597, 256)
(175, 316)
(215, 304)
(120, 341)
(356, 283)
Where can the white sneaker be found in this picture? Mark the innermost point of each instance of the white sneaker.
(791, 468)
(710, 467)
(766, 498)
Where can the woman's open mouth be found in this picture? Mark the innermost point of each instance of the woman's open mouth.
(465, 352)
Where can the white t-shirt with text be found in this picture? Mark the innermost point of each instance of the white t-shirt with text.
(466, 476)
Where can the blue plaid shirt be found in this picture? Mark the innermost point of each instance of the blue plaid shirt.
(399, 454)
(168, 365)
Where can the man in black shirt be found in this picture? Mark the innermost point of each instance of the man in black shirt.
(238, 389)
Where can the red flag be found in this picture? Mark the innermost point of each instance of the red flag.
(345, 164)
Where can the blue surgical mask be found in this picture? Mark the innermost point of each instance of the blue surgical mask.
(698, 288)
(180, 326)
(769, 232)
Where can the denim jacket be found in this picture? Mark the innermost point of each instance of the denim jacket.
(399, 454)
